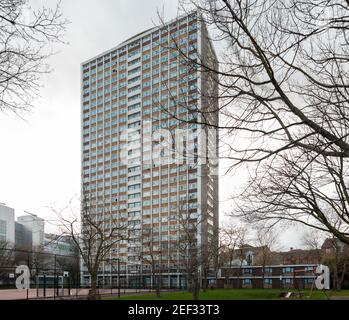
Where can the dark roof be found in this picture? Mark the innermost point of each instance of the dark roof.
(328, 243)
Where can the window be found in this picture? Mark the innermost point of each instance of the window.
(287, 281)
(134, 106)
(134, 223)
(134, 169)
(287, 270)
(133, 71)
(246, 282)
(134, 80)
(247, 270)
(134, 187)
(3, 230)
(133, 53)
(309, 269)
(134, 205)
(146, 47)
(135, 97)
(131, 63)
(133, 89)
(134, 178)
(134, 116)
(268, 270)
(134, 196)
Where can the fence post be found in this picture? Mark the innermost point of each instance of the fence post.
(119, 277)
(78, 277)
(54, 280)
(29, 275)
(57, 285)
(44, 285)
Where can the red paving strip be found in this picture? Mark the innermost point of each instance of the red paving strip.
(15, 294)
(31, 294)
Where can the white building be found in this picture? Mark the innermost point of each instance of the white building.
(7, 224)
(28, 233)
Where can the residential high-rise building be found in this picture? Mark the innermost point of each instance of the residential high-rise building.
(148, 160)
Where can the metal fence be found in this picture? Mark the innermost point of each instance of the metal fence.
(54, 276)
(50, 274)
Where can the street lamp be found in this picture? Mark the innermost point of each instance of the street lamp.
(118, 277)
(118, 270)
(113, 259)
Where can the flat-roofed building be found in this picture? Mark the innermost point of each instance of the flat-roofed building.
(7, 224)
(144, 153)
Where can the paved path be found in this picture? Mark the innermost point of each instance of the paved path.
(15, 294)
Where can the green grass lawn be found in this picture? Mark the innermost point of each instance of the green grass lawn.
(230, 294)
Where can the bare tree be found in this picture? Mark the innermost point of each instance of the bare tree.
(213, 257)
(337, 257)
(331, 252)
(240, 254)
(233, 239)
(284, 105)
(38, 261)
(313, 240)
(93, 237)
(152, 256)
(267, 241)
(7, 259)
(190, 251)
(26, 37)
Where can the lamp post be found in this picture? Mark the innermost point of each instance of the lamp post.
(111, 277)
(118, 261)
(118, 277)
(118, 271)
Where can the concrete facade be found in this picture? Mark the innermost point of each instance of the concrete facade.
(136, 87)
(7, 224)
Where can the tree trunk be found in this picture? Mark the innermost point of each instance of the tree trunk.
(196, 289)
(190, 282)
(204, 281)
(341, 278)
(158, 287)
(263, 274)
(93, 292)
(336, 277)
(263, 277)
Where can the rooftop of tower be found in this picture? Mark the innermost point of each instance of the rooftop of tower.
(137, 36)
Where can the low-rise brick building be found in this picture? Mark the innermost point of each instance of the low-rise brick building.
(300, 276)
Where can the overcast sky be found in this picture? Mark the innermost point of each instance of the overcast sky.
(40, 155)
